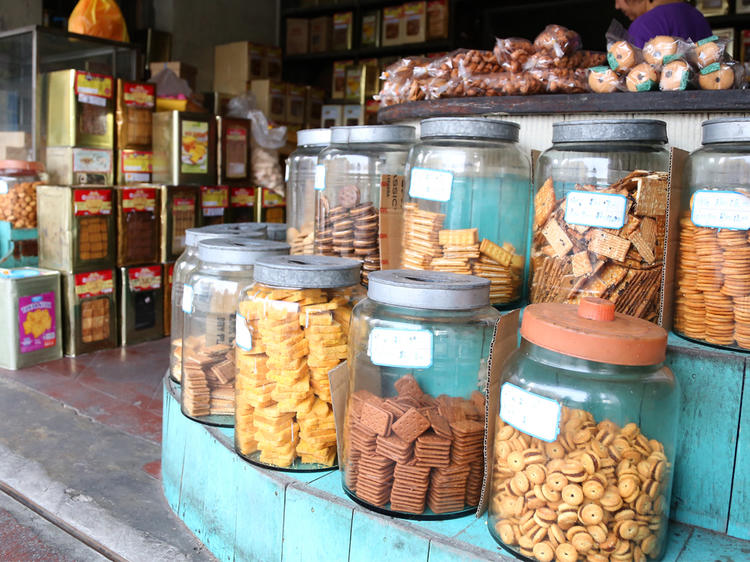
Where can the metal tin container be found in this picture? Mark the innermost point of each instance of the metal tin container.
(167, 275)
(80, 109)
(89, 312)
(184, 146)
(138, 225)
(135, 106)
(233, 146)
(275, 230)
(214, 204)
(242, 202)
(30, 314)
(271, 206)
(140, 303)
(134, 166)
(179, 211)
(80, 166)
(77, 228)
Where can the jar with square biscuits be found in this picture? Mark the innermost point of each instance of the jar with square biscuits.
(301, 168)
(600, 215)
(224, 268)
(585, 440)
(712, 298)
(361, 162)
(18, 181)
(413, 431)
(468, 191)
(183, 267)
(292, 329)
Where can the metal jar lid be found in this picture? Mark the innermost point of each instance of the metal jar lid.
(728, 129)
(307, 272)
(314, 137)
(340, 135)
(610, 130)
(469, 128)
(432, 290)
(275, 230)
(369, 134)
(245, 230)
(238, 251)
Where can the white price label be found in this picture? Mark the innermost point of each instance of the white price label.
(320, 177)
(389, 347)
(721, 209)
(92, 100)
(3, 187)
(213, 211)
(530, 413)
(601, 210)
(434, 185)
(242, 336)
(286, 170)
(187, 299)
(132, 177)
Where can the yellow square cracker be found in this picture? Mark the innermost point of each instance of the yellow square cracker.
(544, 203)
(317, 319)
(495, 252)
(323, 363)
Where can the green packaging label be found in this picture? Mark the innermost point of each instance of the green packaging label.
(669, 58)
(646, 86)
(711, 68)
(613, 64)
(599, 69)
(707, 40)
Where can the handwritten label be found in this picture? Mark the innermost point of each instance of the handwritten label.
(187, 299)
(433, 185)
(320, 177)
(721, 209)
(242, 336)
(391, 347)
(601, 210)
(530, 413)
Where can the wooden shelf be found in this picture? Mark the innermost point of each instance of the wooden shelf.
(368, 52)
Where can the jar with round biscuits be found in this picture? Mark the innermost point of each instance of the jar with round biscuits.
(225, 266)
(600, 215)
(712, 295)
(585, 440)
(414, 422)
(18, 181)
(301, 168)
(183, 267)
(292, 329)
(360, 163)
(468, 191)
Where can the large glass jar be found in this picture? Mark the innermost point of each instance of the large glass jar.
(300, 210)
(600, 214)
(292, 328)
(360, 162)
(208, 370)
(467, 208)
(414, 428)
(712, 301)
(585, 441)
(18, 181)
(183, 267)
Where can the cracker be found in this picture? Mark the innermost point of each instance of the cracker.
(608, 245)
(651, 195)
(557, 238)
(581, 263)
(544, 203)
(410, 425)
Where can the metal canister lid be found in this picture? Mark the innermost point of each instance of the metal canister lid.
(275, 230)
(728, 129)
(246, 230)
(239, 251)
(313, 137)
(610, 130)
(340, 135)
(432, 290)
(307, 272)
(469, 128)
(368, 134)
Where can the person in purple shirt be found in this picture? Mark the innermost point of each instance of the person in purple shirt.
(663, 17)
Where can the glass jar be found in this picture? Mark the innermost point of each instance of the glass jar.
(208, 368)
(585, 441)
(418, 356)
(292, 327)
(712, 302)
(18, 181)
(183, 267)
(360, 162)
(600, 211)
(467, 208)
(275, 230)
(301, 188)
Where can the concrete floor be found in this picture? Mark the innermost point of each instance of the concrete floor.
(80, 461)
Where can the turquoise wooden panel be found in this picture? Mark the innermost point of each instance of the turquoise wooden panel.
(478, 535)
(443, 552)
(375, 537)
(173, 447)
(678, 536)
(707, 546)
(711, 384)
(739, 511)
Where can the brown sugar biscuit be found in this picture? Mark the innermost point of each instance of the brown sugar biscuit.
(621, 57)
(675, 76)
(708, 53)
(603, 80)
(642, 78)
(718, 76)
(659, 49)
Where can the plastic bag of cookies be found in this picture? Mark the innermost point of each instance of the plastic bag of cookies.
(512, 53)
(558, 40)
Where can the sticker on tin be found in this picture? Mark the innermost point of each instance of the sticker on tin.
(93, 284)
(93, 85)
(601, 210)
(194, 144)
(139, 96)
(36, 322)
(19, 273)
(391, 347)
(138, 199)
(214, 200)
(272, 199)
(320, 177)
(187, 299)
(720, 209)
(433, 185)
(92, 160)
(242, 336)
(243, 197)
(530, 413)
(92, 202)
(144, 278)
(137, 161)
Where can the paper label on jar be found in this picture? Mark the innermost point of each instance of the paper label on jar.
(138, 200)
(194, 147)
(93, 284)
(720, 209)
(242, 197)
(187, 299)
(600, 210)
(530, 413)
(138, 95)
(320, 177)
(391, 347)
(242, 336)
(3, 187)
(36, 322)
(92, 160)
(144, 278)
(433, 185)
(286, 170)
(92, 202)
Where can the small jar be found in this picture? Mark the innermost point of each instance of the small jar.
(18, 181)
(467, 209)
(418, 356)
(360, 162)
(292, 328)
(712, 302)
(225, 266)
(600, 215)
(301, 188)
(183, 267)
(584, 445)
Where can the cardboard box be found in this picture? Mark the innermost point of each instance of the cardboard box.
(320, 34)
(354, 115)
(15, 139)
(315, 98)
(295, 104)
(437, 19)
(235, 64)
(393, 24)
(272, 63)
(415, 22)
(271, 98)
(338, 87)
(185, 71)
(297, 36)
(332, 116)
(14, 153)
(370, 29)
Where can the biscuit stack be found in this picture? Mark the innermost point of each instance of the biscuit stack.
(421, 237)
(208, 385)
(300, 241)
(95, 320)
